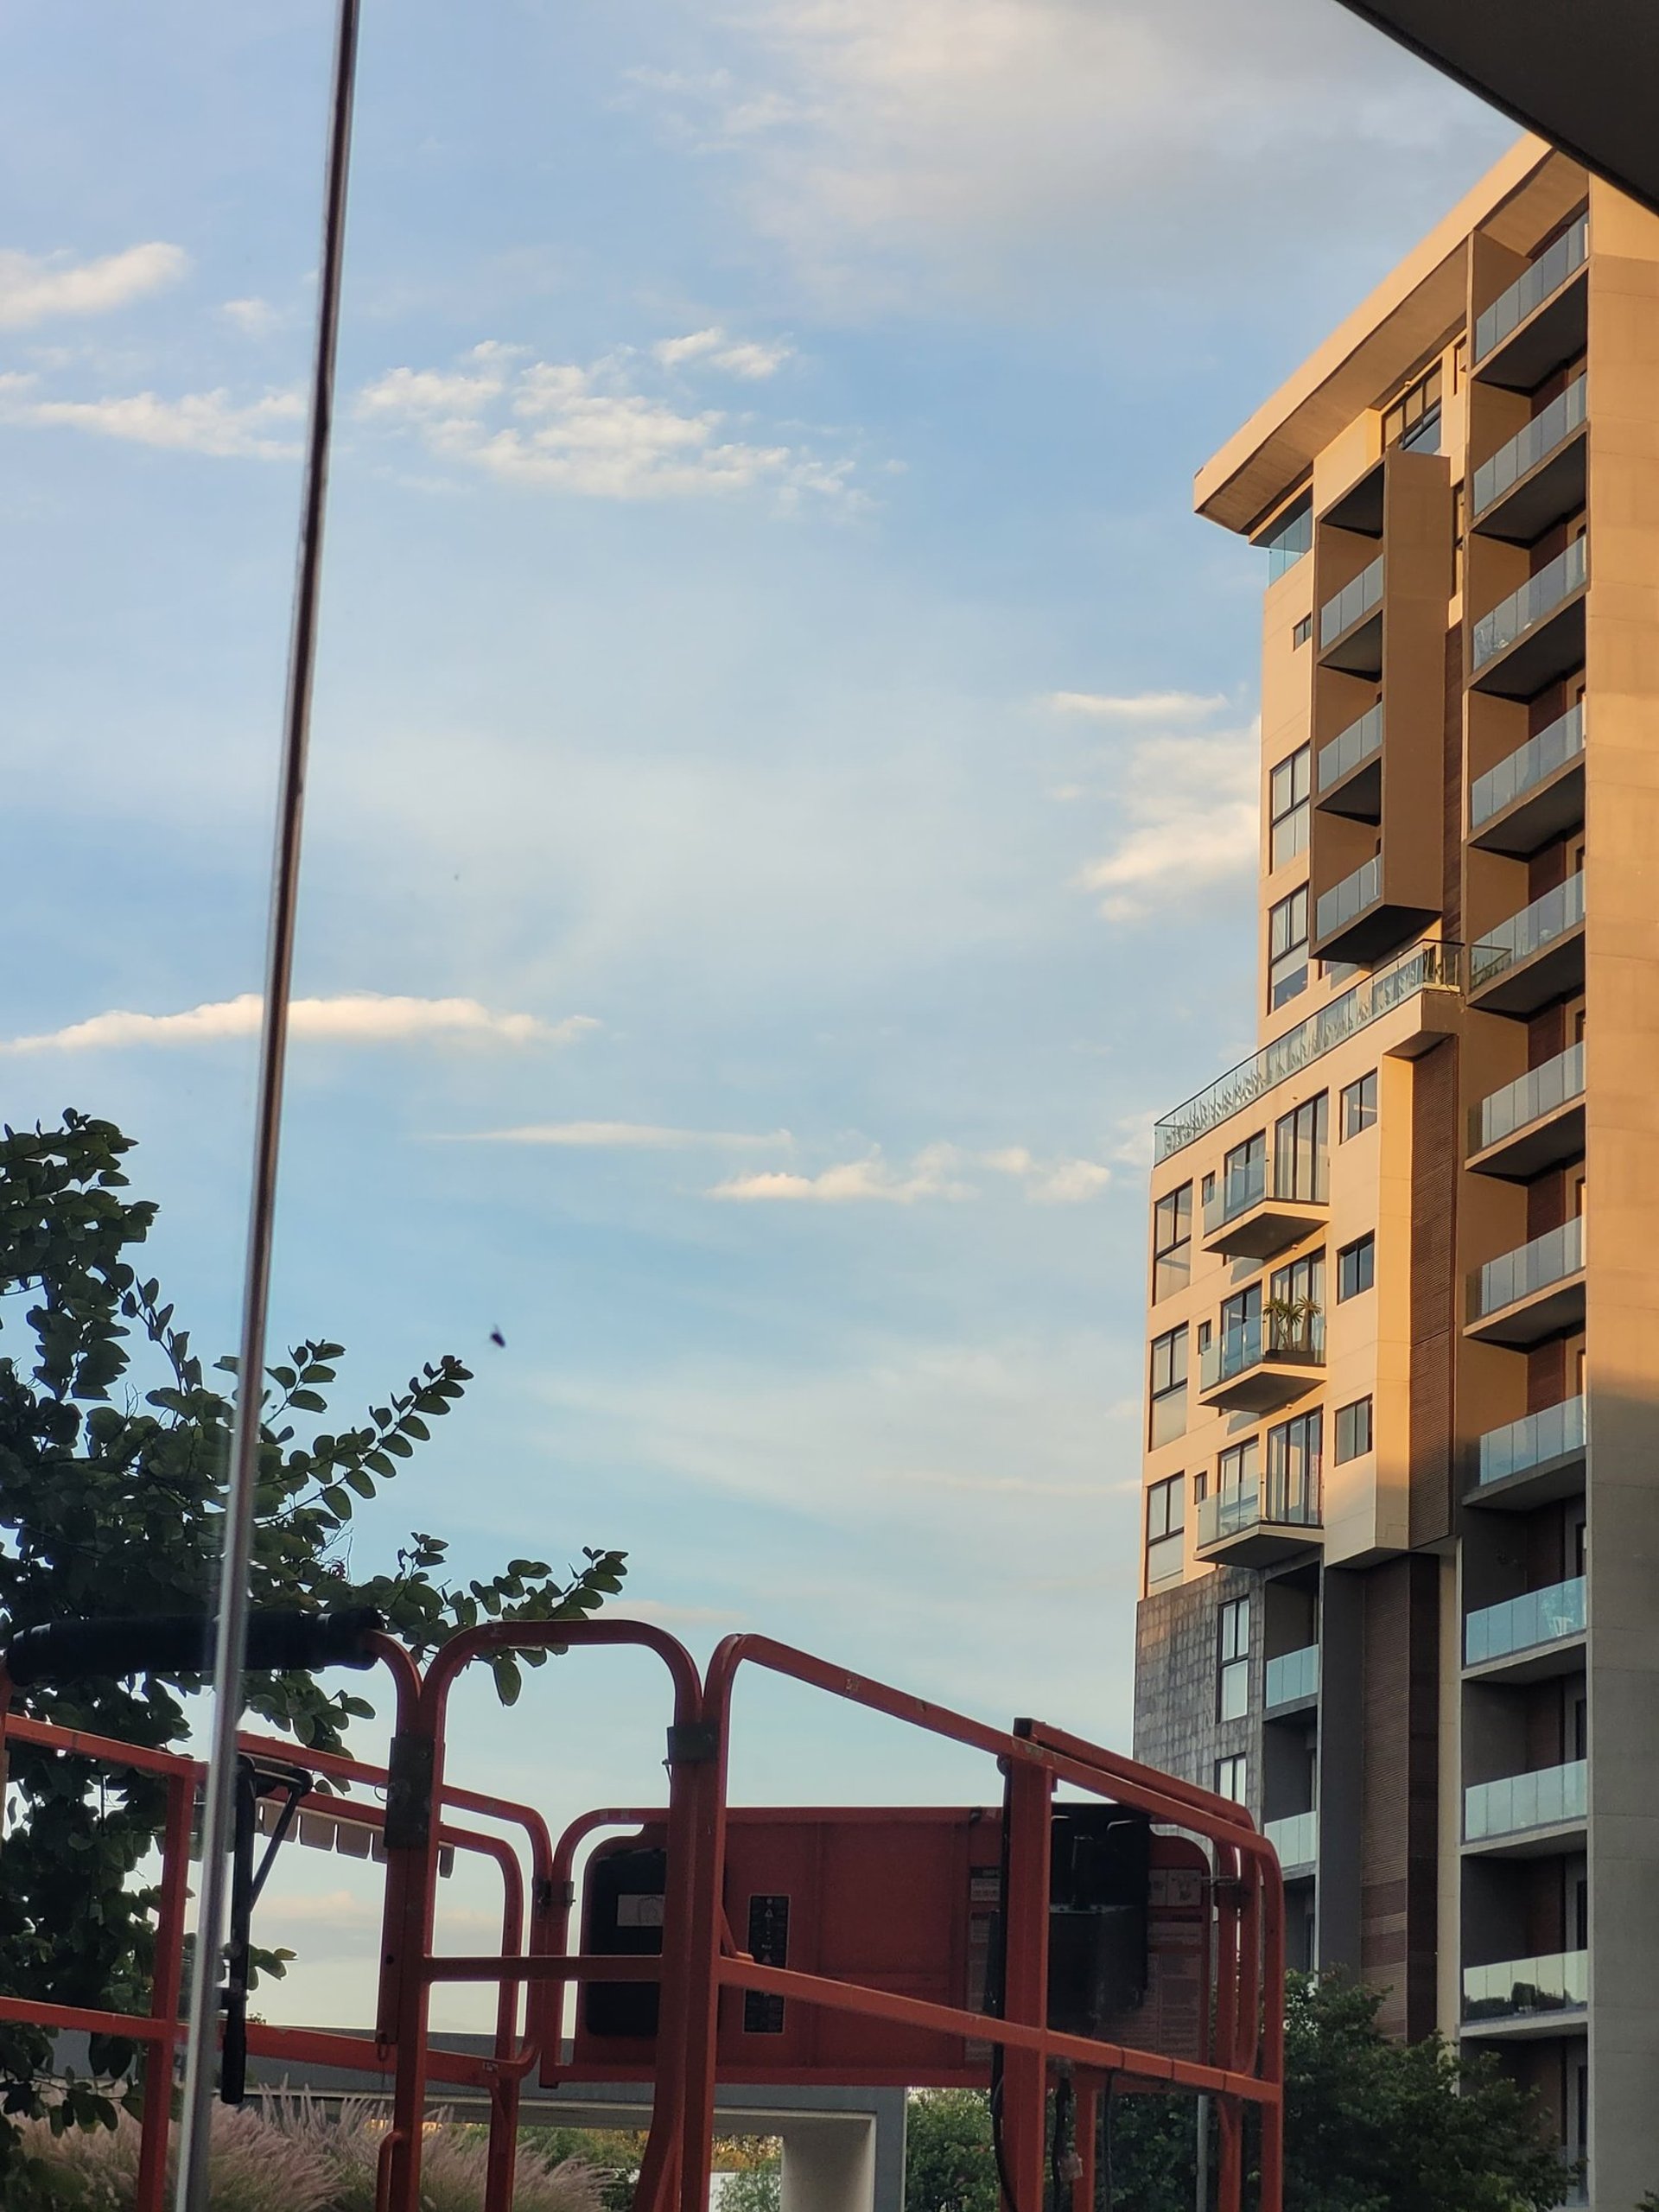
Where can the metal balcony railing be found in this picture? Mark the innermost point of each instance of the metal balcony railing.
(1345, 901)
(1542, 1799)
(1551, 427)
(1529, 931)
(1352, 604)
(1529, 1099)
(1528, 766)
(1522, 1624)
(1536, 599)
(1533, 1441)
(1559, 1982)
(1350, 746)
(1531, 288)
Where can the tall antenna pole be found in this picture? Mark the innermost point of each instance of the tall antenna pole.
(230, 1636)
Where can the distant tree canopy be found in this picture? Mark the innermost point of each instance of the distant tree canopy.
(111, 1478)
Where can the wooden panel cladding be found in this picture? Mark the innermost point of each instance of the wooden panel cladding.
(1400, 1814)
(1434, 1288)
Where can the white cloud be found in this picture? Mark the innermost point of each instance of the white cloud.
(201, 421)
(587, 429)
(352, 1018)
(1194, 803)
(35, 288)
(936, 1172)
(254, 318)
(625, 1136)
(1138, 706)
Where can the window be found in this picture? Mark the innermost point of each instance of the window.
(1233, 1660)
(1414, 421)
(1166, 1529)
(1299, 1152)
(1235, 1470)
(1296, 1306)
(1244, 1175)
(1229, 1777)
(1288, 788)
(1172, 1242)
(1353, 1430)
(1287, 948)
(1359, 1105)
(1241, 1331)
(1356, 1267)
(1295, 1448)
(1290, 535)
(1168, 1385)
(1301, 632)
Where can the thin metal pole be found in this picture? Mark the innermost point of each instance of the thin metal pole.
(231, 1640)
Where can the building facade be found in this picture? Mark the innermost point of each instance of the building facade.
(1402, 1478)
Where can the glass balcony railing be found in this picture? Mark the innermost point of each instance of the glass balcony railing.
(1522, 1624)
(1295, 1838)
(1514, 1988)
(1247, 1183)
(1548, 1435)
(1426, 967)
(1340, 906)
(1293, 1675)
(1541, 1800)
(1528, 766)
(1233, 1352)
(1351, 746)
(1253, 1505)
(1531, 288)
(1529, 1099)
(1551, 427)
(1549, 1258)
(1529, 931)
(1524, 609)
(1352, 604)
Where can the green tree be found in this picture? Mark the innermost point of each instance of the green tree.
(111, 1474)
(950, 2164)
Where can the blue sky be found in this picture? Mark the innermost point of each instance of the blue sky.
(782, 794)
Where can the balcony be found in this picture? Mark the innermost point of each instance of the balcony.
(1253, 1214)
(1532, 1461)
(1537, 479)
(1535, 794)
(1536, 636)
(1526, 1989)
(1292, 1678)
(1351, 624)
(1264, 1364)
(1533, 1123)
(1296, 1839)
(1530, 1637)
(1257, 1524)
(1538, 324)
(1351, 769)
(1535, 1293)
(1535, 956)
(1521, 1816)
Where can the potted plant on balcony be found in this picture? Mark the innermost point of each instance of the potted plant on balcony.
(1290, 1324)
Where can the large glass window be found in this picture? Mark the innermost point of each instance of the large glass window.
(1233, 1660)
(1230, 1777)
(1287, 947)
(1359, 1104)
(1241, 1329)
(1288, 788)
(1172, 1242)
(1414, 421)
(1293, 1455)
(1299, 1144)
(1289, 538)
(1168, 1385)
(1296, 1305)
(1166, 1530)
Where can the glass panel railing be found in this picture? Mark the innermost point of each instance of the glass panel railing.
(1532, 288)
(1237, 1189)
(1351, 746)
(1541, 1800)
(1540, 1091)
(1529, 931)
(1551, 426)
(1550, 1434)
(1350, 897)
(1293, 1675)
(1520, 1624)
(1549, 1258)
(1523, 610)
(1529, 765)
(1235, 1351)
(1426, 967)
(1295, 1838)
(1279, 1504)
(1557, 1983)
(1352, 604)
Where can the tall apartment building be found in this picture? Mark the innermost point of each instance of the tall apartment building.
(1402, 1481)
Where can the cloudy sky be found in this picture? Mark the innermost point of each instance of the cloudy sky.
(783, 796)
